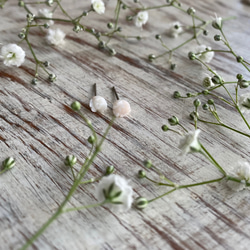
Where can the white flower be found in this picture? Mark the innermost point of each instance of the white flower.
(175, 29)
(190, 143)
(117, 191)
(121, 108)
(46, 13)
(55, 37)
(244, 103)
(205, 57)
(98, 6)
(243, 170)
(98, 104)
(217, 22)
(141, 18)
(12, 55)
(207, 82)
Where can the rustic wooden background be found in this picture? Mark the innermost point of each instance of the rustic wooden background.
(38, 129)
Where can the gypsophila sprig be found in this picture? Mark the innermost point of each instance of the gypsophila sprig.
(12, 55)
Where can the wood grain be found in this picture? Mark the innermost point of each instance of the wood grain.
(38, 129)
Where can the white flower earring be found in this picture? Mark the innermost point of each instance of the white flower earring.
(97, 103)
(121, 108)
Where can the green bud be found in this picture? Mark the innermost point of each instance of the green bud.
(197, 103)
(239, 59)
(109, 170)
(191, 11)
(101, 44)
(70, 160)
(210, 102)
(151, 57)
(138, 38)
(173, 121)
(172, 66)
(164, 128)
(119, 29)
(243, 84)
(194, 115)
(141, 174)
(91, 139)
(110, 25)
(217, 38)
(46, 26)
(216, 79)
(8, 163)
(76, 106)
(141, 202)
(239, 76)
(189, 95)
(205, 32)
(191, 55)
(98, 34)
(157, 36)
(217, 23)
(34, 81)
(21, 35)
(177, 94)
(77, 28)
(205, 106)
(21, 3)
(52, 77)
(205, 92)
(147, 164)
(85, 13)
(46, 64)
(124, 6)
(49, 2)
(129, 18)
(112, 52)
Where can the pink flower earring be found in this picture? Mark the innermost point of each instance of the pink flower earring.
(97, 103)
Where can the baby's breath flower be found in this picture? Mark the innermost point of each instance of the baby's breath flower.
(207, 56)
(116, 191)
(190, 143)
(46, 13)
(98, 104)
(207, 82)
(12, 55)
(98, 6)
(141, 202)
(175, 29)
(244, 102)
(121, 108)
(243, 170)
(141, 18)
(55, 37)
(217, 22)
(8, 163)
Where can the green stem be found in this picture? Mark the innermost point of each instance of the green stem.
(66, 210)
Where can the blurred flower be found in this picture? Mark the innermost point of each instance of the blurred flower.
(121, 108)
(55, 37)
(141, 18)
(12, 55)
(243, 170)
(244, 103)
(46, 13)
(98, 104)
(202, 52)
(98, 6)
(116, 191)
(175, 29)
(207, 82)
(190, 143)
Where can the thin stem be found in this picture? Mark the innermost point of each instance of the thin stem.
(66, 210)
(169, 192)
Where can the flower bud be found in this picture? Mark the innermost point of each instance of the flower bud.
(205, 32)
(70, 160)
(176, 94)
(52, 77)
(189, 95)
(151, 57)
(205, 92)
(210, 102)
(191, 11)
(109, 170)
(147, 164)
(124, 6)
(21, 3)
(49, 2)
(119, 29)
(191, 55)
(216, 79)
(243, 84)
(129, 18)
(77, 28)
(194, 115)
(158, 36)
(112, 52)
(101, 44)
(91, 139)
(34, 81)
(217, 38)
(197, 103)
(217, 23)
(76, 105)
(173, 120)
(8, 163)
(239, 76)
(138, 38)
(141, 202)
(164, 128)
(46, 26)
(110, 25)
(172, 66)
(141, 174)
(205, 106)
(21, 35)
(46, 64)
(239, 59)
(85, 13)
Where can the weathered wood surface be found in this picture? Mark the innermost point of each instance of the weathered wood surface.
(38, 129)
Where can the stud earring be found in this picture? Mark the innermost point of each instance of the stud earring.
(97, 103)
(121, 108)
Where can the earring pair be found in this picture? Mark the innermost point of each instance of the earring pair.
(121, 108)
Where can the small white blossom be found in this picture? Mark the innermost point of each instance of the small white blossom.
(12, 55)
(121, 108)
(243, 170)
(141, 18)
(244, 103)
(98, 6)
(46, 13)
(217, 22)
(55, 37)
(207, 82)
(175, 29)
(205, 57)
(117, 191)
(190, 143)
(98, 104)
